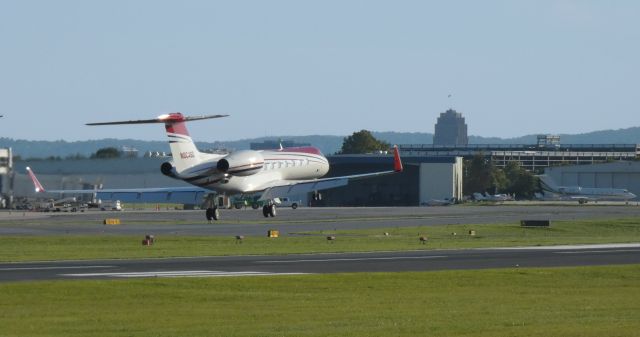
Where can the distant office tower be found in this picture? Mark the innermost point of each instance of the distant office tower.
(451, 129)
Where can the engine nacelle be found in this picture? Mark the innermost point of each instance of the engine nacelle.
(168, 169)
(241, 163)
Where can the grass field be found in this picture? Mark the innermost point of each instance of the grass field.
(30, 248)
(585, 301)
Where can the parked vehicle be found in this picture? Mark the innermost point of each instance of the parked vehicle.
(110, 205)
(288, 202)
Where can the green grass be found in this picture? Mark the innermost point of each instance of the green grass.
(586, 301)
(30, 248)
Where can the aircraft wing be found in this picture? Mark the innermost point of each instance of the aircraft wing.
(193, 189)
(278, 188)
(186, 189)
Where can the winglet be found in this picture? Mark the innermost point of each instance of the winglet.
(397, 162)
(35, 181)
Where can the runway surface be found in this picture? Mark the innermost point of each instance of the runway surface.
(251, 222)
(324, 263)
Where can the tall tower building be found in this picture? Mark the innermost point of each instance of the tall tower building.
(451, 129)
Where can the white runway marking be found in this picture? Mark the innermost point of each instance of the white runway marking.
(53, 268)
(357, 259)
(180, 273)
(569, 247)
(601, 251)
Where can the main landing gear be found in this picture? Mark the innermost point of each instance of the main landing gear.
(269, 210)
(212, 213)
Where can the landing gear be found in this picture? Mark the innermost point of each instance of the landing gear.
(212, 213)
(269, 210)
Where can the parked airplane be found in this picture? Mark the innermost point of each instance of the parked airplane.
(491, 197)
(440, 202)
(273, 173)
(583, 194)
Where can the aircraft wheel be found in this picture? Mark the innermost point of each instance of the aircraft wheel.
(294, 205)
(265, 211)
(255, 205)
(272, 211)
(212, 213)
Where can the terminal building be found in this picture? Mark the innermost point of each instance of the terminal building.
(547, 152)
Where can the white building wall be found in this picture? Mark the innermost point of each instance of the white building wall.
(440, 181)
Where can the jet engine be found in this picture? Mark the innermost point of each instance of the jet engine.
(168, 169)
(241, 163)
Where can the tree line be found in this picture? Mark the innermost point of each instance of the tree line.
(481, 175)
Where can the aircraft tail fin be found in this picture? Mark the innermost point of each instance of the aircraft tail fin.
(183, 149)
(397, 161)
(37, 185)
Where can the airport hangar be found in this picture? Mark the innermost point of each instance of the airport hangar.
(620, 174)
(423, 179)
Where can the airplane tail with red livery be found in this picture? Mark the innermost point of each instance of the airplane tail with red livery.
(36, 183)
(183, 149)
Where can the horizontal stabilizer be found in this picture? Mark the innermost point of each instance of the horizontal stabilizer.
(168, 118)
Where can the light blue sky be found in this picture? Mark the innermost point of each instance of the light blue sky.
(317, 67)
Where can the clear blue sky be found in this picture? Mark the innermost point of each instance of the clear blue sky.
(321, 67)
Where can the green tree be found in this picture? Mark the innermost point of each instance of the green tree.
(521, 182)
(362, 142)
(106, 153)
(481, 175)
(477, 175)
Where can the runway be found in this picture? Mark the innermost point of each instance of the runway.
(251, 222)
(246, 266)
